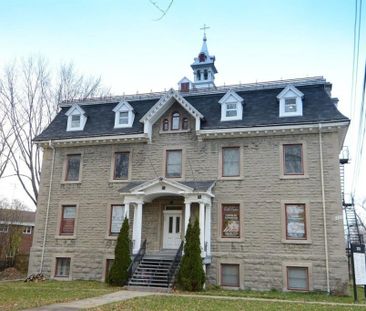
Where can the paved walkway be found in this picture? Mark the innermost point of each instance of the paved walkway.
(94, 301)
(128, 294)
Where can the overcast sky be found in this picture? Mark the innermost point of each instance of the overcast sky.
(122, 42)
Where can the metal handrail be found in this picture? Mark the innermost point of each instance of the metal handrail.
(174, 265)
(136, 260)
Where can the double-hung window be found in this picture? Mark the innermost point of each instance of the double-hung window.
(121, 165)
(62, 267)
(73, 167)
(230, 161)
(231, 110)
(293, 159)
(174, 163)
(298, 278)
(68, 215)
(230, 275)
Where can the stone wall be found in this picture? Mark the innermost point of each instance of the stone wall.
(260, 191)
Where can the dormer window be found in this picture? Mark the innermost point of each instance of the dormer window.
(76, 118)
(290, 102)
(124, 115)
(231, 107)
(290, 105)
(75, 121)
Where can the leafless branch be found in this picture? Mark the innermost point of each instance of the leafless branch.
(29, 97)
(162, 11)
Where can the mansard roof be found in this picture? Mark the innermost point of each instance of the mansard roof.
(261, 109)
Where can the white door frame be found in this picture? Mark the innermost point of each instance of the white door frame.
(174, 237)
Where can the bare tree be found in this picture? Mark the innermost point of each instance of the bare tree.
(29, 95)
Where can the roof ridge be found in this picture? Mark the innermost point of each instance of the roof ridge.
(219, 89)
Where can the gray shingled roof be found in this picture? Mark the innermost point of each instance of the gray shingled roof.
(17, 216)
(260, 109)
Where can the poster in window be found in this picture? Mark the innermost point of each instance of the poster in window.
(230, 221)
(116, 218)
(296, 221)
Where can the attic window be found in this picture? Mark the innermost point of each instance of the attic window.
(75, 121)
(290, 105)
(231, 107)
(290, 100)
(175, 121)
(124, 115)
(76, 118)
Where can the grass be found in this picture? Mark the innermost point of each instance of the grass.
(177, 303)
(19, 295)
(312, 296)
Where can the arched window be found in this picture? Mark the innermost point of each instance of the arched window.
(166, 125)
(205, 74)
(198, 75)
(185, 124)
(175, 121)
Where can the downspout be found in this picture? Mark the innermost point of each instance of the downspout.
(323, 203)
(48, 206)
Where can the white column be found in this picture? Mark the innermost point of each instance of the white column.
(208, 229)
(137, 228)
(127, 211)
(202, 228)
(187, 215)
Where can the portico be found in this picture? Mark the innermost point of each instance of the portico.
(168, 221)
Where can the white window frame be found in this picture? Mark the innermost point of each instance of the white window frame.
(290, 92)
(123, 106)
(231, 98)
(75, 110)
(27, 230)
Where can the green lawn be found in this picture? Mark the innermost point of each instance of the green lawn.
(20, 295)
(176, 303)
(313, 296)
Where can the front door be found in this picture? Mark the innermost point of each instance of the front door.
(172, 229)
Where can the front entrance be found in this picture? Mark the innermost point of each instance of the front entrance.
(172, 229)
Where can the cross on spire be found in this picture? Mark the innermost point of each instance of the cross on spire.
(204, 31)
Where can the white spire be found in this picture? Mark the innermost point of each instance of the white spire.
(204, 45)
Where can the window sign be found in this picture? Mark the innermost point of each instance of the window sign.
(230, 221)
(295, 218)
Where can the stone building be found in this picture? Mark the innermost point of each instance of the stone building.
(257, 165)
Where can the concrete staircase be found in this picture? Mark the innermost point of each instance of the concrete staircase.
(153, 272)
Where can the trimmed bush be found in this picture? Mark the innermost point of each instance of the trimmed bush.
(118, 274)
(191, 275)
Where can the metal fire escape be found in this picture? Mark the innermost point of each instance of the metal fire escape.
(351, 220)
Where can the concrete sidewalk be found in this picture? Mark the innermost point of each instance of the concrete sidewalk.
(93, 302)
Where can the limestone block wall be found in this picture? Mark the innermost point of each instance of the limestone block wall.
(260, 191)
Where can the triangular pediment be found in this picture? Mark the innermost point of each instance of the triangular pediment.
(161, 184)
(165, 103)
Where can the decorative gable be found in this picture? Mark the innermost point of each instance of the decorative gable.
(124, 115)
(76, 118)
(231, 106)
(290, 102)
(163, 105)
